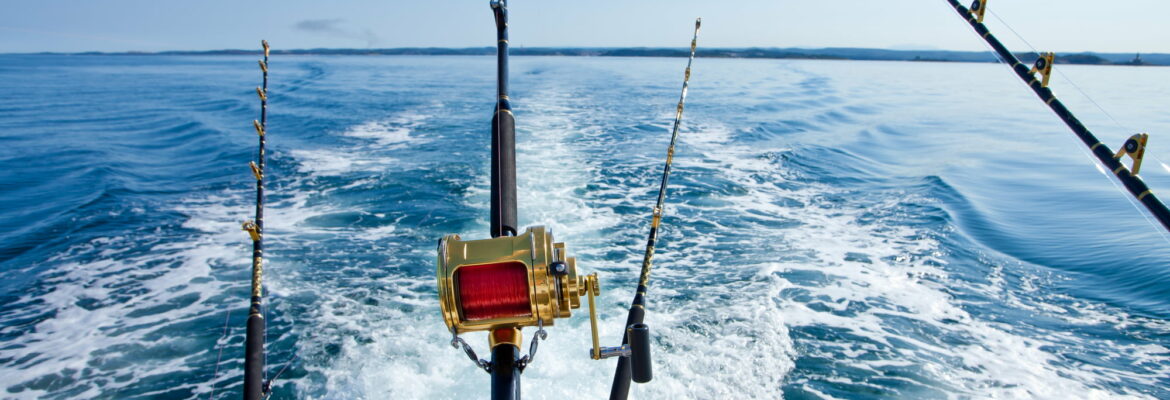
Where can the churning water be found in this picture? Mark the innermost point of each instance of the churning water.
(834, 229)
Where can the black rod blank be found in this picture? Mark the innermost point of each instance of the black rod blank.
(1132, 183)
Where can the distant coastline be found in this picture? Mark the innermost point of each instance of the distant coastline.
(837, 53)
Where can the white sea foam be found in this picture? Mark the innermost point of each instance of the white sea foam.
(394, 133)
(391, 134)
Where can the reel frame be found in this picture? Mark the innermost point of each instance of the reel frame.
(554, 287)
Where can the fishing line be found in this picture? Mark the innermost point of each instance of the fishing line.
(1134, 146)
(222, 344)
(1144, 213)
(1096, 162)
(1062, 74)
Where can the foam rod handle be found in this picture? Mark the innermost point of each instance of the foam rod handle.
(640, 364)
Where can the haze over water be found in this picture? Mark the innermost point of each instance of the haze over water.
(833, 229)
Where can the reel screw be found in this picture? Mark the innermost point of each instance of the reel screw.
(559, 268)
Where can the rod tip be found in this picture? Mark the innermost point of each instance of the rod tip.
(698, 21)
(264, 43)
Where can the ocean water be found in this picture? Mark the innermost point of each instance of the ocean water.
(834, 229)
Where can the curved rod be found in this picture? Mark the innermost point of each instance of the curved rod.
(1132, 183)
(621, 377)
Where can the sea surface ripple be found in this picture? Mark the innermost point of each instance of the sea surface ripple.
(834, 229)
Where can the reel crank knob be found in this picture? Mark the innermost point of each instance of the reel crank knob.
(640, 365)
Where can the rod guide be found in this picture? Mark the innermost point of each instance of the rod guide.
(978, 8)
(1043, 65)
(1135, 148)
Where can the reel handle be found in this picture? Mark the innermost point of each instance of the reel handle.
(640, 365)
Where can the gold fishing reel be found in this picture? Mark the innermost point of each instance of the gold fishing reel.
(508, 281)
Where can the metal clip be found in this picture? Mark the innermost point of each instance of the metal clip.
(457, 341)
(1135, 147)
(252, 229)
(540, 334)
(263, 96)
(978, 7)
(1043, 65)
(259, 128)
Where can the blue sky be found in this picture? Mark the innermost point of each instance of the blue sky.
(140, 25)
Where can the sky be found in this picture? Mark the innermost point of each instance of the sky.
(1125, 26)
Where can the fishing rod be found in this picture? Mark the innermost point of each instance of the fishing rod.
(1134, 147)
(503, 222)
(515, 280)
(256, 385)
(637, 333)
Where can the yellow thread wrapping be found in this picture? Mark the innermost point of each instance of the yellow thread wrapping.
(1143, 195)
(257, 275)
(264, 43)
(259, 128)
(263, 66)
(263, 96)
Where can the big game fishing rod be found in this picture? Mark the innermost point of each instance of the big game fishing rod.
(629, 368)
(1135, 146)
(526, 279)
(255, 381)
(504, 367)
(257, 385)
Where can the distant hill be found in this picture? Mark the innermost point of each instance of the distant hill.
(834, 53)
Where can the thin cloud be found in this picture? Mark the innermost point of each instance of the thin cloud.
(336, 28)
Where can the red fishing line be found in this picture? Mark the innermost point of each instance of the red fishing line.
(493, 291)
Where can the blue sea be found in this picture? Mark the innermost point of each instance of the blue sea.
(834, 229)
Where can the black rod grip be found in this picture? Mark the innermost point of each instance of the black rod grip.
(254, 357)
(505, 372)
(503, 202)
(640, 365)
